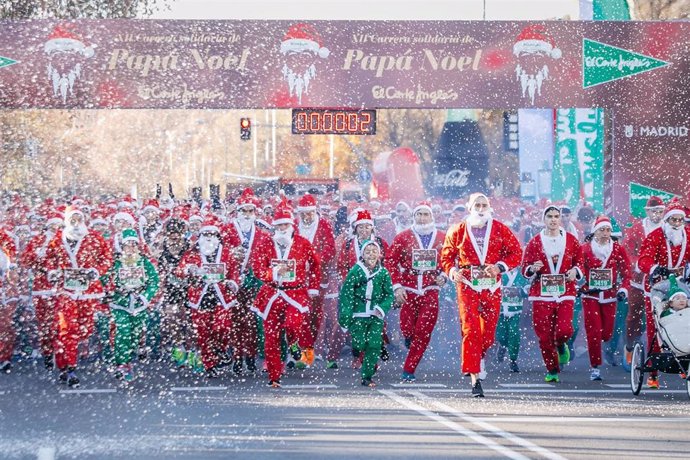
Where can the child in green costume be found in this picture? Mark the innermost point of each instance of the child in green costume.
(133, 281)
(365, 298)
(508, 330)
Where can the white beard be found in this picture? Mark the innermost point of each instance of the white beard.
(299, 84)
(476, 219)
(602, 251)
(283, 238)
(245, 224)
(308, 231)
(424, 229)
(674, 235)
(75, 233)
(65, 82)
(208, 245)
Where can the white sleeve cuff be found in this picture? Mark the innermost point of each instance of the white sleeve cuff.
(579, 275)
(313, 292)
(233, 286)
(383, 314)
(452, 270)
(397, 286)
(623, 290)
(503, 265)
(654, 267)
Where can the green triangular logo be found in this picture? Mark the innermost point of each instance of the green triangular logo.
(4, 62)
(602, 63)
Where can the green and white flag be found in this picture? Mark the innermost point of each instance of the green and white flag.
(639, 194)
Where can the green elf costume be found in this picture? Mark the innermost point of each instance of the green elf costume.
(365, 298)
(133, 281)
(513, 294)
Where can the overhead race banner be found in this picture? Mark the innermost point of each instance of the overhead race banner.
(354, 64)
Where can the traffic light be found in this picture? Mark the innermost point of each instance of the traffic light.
(245, 129)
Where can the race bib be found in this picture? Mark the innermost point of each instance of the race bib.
(131, 277)
(601, 278)
(424, 259)
(291, 275)
(511, 295)
(75, 279)
(552, 285)
(213, 273)
(480, 279)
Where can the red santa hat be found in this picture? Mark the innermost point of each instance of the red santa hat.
(654, 202)
(126, 202)
(535, 39)
(301, 38)
(54, 218)
(151, 205)
(423, 205)
(674, 208)
(70, 211)
(602, 221)
(63, 39)
(306, 203)
(363, 217)
(247, 199)
(98, 217)
(196, 217)
(473, 198)
(126, 216)
(211, 224)
(402, 204)
(283, 215)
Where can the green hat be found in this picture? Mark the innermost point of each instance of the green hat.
(129, 234)
(673, 288)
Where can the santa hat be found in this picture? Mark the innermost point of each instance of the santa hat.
(303, 37)
(403, 204)
(126, 202)
(534, 39)
(64, 40)
(247, 199)
(654, 202)
(368, 243)
(548, 208)
(283, 216)
(54, 218)
(151, 205)
(674, 208)
(126, 216)
(70, 211)
(473, 198)
(98, 217)
(674, 290)
(211, 224)
(363, 217)
(306, 203)
(129, 234)
(602, 221)
(424, 205)
(196, 217)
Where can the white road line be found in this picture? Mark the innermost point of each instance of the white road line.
(89, 391)
(46, 453)
(310, 387)
(525, 385)
(554, 390)
(618, 385)
(418, 385)
(2, 393)
(488, 427)
(198, 388)
(579, 420)
(454, 426)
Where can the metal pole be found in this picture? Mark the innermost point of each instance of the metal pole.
(273, 136)
(331, 165)
(255, 146)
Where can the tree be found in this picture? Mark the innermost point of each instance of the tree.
(80, 9)
(660, 9)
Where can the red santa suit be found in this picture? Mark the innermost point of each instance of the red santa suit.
(74, 306)
(599, 304)
(283, 301)
(8, 299)
(552, 314)
(211, 295)
(419, 313)
(658, 251)
(479, 305)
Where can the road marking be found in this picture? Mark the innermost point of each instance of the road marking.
(454, 426)
(418, 385)
(46, 453)
(546, 391)
(525, 385)
(310, 387)
(546, 453)
(198, 388)
(2, 393)
(618, 385)
(89, 391)
(546, 419)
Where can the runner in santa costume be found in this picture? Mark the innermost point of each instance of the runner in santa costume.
(246, 241)
(606, 269)
(75, 259)
(213, 279)
(8, 303)
(474, 255)
(552, 261)
(632, 242)
(417, 278)
(319, 233)
(664, 251)
(42, 290)
(290, 271)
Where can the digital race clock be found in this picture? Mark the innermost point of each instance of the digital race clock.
(333, 121)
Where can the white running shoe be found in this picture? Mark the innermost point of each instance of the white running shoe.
(594, 374)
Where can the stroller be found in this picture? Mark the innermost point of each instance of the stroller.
(673, 334)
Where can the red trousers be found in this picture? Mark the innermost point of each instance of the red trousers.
(330, 336)
(8, 334)
(243, 331)
(45, 317)
(282, 317)
(478, 317)
(418, 317)
(599, 322)
(73, 323)
(213, 333)
(633, 321)
(313, 319)
(553, 324)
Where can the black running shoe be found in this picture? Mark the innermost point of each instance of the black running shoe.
(384, 354)
(62, 378)
(72, 380)
(212, 373)
(237, 367)
(477, 391)
(48, 363)
(251, 364)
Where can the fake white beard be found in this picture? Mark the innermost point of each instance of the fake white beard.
(299, 84)
(245, 223)
(674, 235)
(75, 233)
(62, 83)
(602, 251)
(283, 238)
(476, 219)
(4, 261)
(424, 229)
(208, 245)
